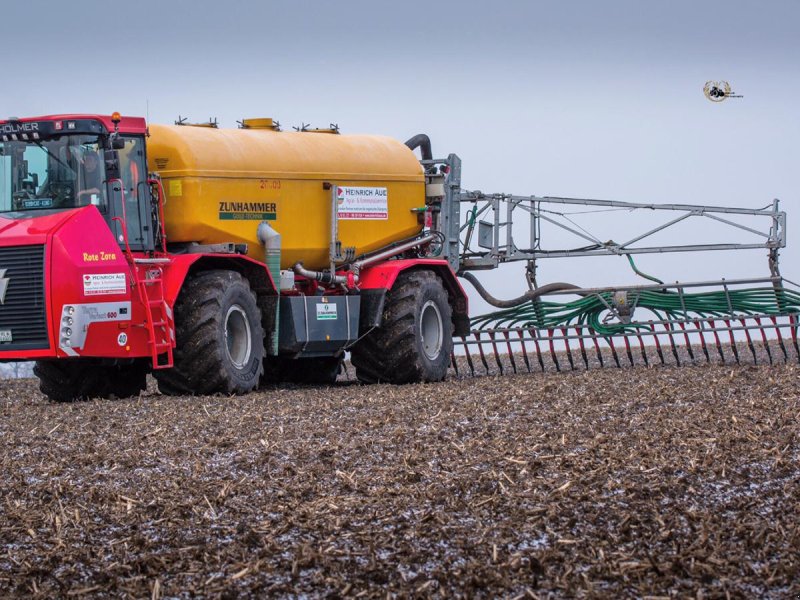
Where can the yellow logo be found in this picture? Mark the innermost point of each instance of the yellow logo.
(717, 91)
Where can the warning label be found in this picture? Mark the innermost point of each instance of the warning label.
(362, 203)
(175, 188)
(104, 283)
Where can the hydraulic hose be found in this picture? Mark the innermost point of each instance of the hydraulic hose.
(526, 297)
(640, 274)
(423, 142)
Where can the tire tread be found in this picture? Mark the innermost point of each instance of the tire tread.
(389, 353)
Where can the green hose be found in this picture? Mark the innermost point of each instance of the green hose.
(472, 216)
(665, 305)
(640, 273)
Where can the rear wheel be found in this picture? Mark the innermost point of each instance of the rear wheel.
(415, 340)
(68, 380)
(219, 337)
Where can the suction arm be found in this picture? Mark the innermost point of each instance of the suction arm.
(423, 142)
(526, 297)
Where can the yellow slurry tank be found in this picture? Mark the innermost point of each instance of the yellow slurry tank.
(221, 183)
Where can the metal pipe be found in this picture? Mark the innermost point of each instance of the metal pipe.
(637, 288)
(467, 196)
(390, 252)
(321, 276)
(331, 278)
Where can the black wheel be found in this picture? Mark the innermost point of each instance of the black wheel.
(415, 339)
(312, 370)
(320, 370)
(219, 337)
(125, 381)
(68, 380)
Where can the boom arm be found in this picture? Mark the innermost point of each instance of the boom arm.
(493, 214)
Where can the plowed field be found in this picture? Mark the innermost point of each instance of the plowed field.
(615, 483)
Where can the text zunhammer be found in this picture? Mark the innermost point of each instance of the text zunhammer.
(267, 207)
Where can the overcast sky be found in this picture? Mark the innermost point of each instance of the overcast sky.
(589, 99)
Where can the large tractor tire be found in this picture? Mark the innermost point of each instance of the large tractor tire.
(219, 337)
(68, 380)
(415, 339)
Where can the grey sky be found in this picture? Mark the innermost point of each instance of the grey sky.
(585, 99)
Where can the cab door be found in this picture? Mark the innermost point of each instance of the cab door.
(133, 195)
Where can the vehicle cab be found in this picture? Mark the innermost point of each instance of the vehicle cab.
(64, 162)
(75, 198)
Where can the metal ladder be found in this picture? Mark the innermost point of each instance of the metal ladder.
(160, 322)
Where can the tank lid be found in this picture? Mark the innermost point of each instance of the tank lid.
(261, 123)
(211, 123)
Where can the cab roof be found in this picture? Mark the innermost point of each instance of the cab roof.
(130, 125)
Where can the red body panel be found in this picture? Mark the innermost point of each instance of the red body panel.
(181, 264)
(129, 125)
(80, 250)
(22, 232)
(383, 275)
(78, 246)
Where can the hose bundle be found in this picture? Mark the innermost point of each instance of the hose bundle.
(591, 310)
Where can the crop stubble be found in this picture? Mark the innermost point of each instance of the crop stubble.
(638, 482)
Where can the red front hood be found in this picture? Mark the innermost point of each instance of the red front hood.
(34, 230)
(80, 256)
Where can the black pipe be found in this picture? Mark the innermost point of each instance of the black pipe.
(526, 297)
(423, 142)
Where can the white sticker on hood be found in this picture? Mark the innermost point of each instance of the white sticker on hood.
(97, 284)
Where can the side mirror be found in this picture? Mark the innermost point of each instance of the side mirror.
(111, 158)
(117, 143)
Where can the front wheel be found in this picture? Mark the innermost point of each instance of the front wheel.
(67, 380)
(219, 337)
(415, 339)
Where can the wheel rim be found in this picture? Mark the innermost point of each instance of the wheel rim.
(431, 330)
(237, 336)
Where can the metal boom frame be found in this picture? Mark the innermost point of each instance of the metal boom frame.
(493, 216)
(683, 331)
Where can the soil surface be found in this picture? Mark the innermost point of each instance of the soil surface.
(645, 482)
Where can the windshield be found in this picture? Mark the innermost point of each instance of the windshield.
(62, 172)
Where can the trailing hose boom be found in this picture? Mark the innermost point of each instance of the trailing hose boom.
(562, 324)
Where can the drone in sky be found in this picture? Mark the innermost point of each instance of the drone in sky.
(717, 91)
